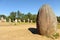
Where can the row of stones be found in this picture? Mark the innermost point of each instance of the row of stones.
(4, 20)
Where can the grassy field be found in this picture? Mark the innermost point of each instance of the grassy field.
(21, 31)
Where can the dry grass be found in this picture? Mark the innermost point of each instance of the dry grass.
(9, 31)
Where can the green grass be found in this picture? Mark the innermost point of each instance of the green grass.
(56, 35)
(58, 26)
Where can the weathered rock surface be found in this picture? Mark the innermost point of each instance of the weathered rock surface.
(46, 21)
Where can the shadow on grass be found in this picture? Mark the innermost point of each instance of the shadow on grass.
(33, 30)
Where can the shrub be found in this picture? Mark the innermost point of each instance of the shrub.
(56, 35)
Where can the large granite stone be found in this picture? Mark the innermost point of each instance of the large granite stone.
(46, 21)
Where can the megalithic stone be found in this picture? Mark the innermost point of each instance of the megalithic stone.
(28, 20)
(46, 21)
(9, 20)
(16, 20)
(24, 21)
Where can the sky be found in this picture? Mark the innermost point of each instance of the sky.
(25, 6)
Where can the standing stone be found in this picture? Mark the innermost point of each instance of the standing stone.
(9, 20)
(46, 21)
(19, 21)
(24, 21)
(2, 19)
(28, 20)
(15, 20)
(31, 21)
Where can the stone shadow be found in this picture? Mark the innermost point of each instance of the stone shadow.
(33, 30)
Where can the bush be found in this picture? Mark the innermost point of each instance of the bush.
(56, 35)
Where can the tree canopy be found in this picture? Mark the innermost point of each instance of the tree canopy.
(18, 15)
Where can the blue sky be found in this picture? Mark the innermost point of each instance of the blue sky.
(25, 6)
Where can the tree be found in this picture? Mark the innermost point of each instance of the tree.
(12, 16)
(58, 19)
(34, 17)
(19, 15)
(29, 15)
(25, 17)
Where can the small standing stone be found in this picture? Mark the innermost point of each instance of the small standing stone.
(24, 21)
(31, 21)
(28, 20)
(19, 21)
(9, 20)
(3, 20)
(16, 20)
